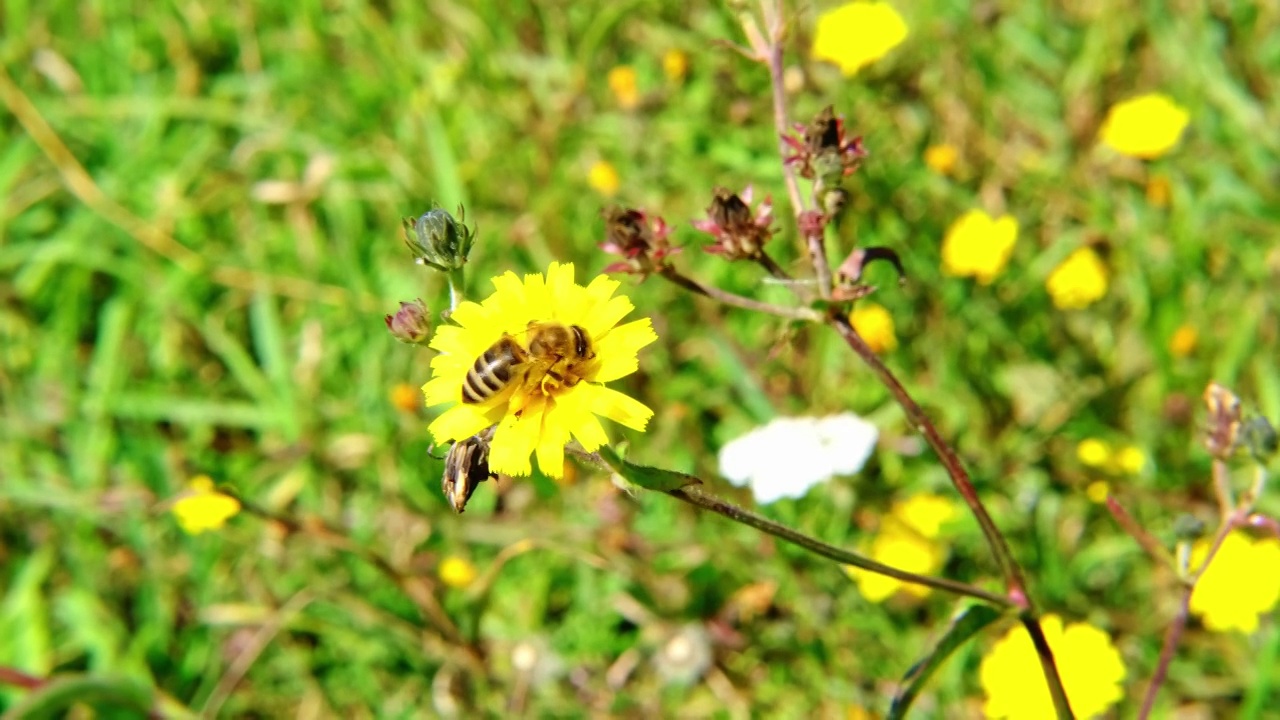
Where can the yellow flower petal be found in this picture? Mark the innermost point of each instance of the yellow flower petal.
(618, 349)
(456, 572)
(875, 325)
(978, 245)
(924, 513)
(1232, 593)
(1079, 281)
(1093, 452)
(463, 420)
(619, 408)
(202, 508)
(1146, 127)
(603, 178)
(904, 550)
(857, 34)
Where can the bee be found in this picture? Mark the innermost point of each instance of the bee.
(555, 354)
(466, 466)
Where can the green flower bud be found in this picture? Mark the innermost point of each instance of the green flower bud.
(438, 240)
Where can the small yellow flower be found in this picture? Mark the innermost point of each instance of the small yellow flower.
(1098, 491)
(1093, 452)
(907, 540)
(1130, 459)
(875, 325)
(978, 245)
(1184, 341)
(1239, 585)
(202, 508)
(1080, 280)
(1145, 127)
(537, 413)
(625, 87)
(675, 65)
(1158, 191)
(857, 34)
(405, 397)
(1091, 669)
(456, 572)
(941, 158)
(603, 178)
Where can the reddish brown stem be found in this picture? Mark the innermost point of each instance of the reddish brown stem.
(1138, 533)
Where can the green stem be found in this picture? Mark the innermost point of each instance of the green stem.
(457, 278)
(741, 515)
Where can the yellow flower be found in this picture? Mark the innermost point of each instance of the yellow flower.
(1184, 341)
(907, 540)
(538, 412)
(675, 64)
(857, 34)
(1237, 586)
(1091, 669)
(1078, 281)
(978, 245)
(941, 158)
(405, 397)
(456, 572)
(1130, 459)
(1093, 452)
(202, 508)
(875, 325)
(625, 87)
(1144, 127)
(603, 178)
(1098, 491)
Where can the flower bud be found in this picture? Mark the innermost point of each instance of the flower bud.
(1259, 437)
(438, 240)
(411, 323)
(1224, 420)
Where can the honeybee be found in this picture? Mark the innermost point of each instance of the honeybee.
(556, 354)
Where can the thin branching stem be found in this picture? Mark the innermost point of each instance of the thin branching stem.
(746, 303)
(702, 499)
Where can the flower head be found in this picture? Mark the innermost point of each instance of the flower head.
(456, 572)
(603, 178)
(907, 540)
(787, 456)
(1184, 341)
(675, 65)
(1145, 127)
(624, 86)
(1091, 669)
(1080, 280)
(822, 150)
(1232, 593)
(978, 245)
(739, 232)
(546, 346)
(202, 508)
(411, 323)
(941, 158)
(875, 325)
(640, 239)
(857, 34)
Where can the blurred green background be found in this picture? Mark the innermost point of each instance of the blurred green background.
(200, 210)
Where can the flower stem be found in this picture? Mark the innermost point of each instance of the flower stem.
(457, 278)
(746, 303)
(701, 499)
(1044, 653)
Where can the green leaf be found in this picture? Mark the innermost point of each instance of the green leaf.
(56, 697)
(967, 623)
(649, 478)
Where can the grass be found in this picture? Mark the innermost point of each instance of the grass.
(164, 314)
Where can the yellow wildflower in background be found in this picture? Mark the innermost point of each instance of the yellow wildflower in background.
(941, 158)
(405, 397)
(1130, 459)
(675, 65)
(1093, 452)
(1098, 491)
(202, 508)
(908, 541)
(1184, 341)
(1159, 191)
(1079, 281)
(603, 178)
(857, 34)
(1091, 669)
(875, 325)
(1145, 127)
(456, 572)
(625, 87)
(538, 413)
(1240, 584)
(978, 245)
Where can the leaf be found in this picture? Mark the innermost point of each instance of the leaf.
(56, 697)
(967, 623)
(649, 478)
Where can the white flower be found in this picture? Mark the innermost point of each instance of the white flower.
(786, 457)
